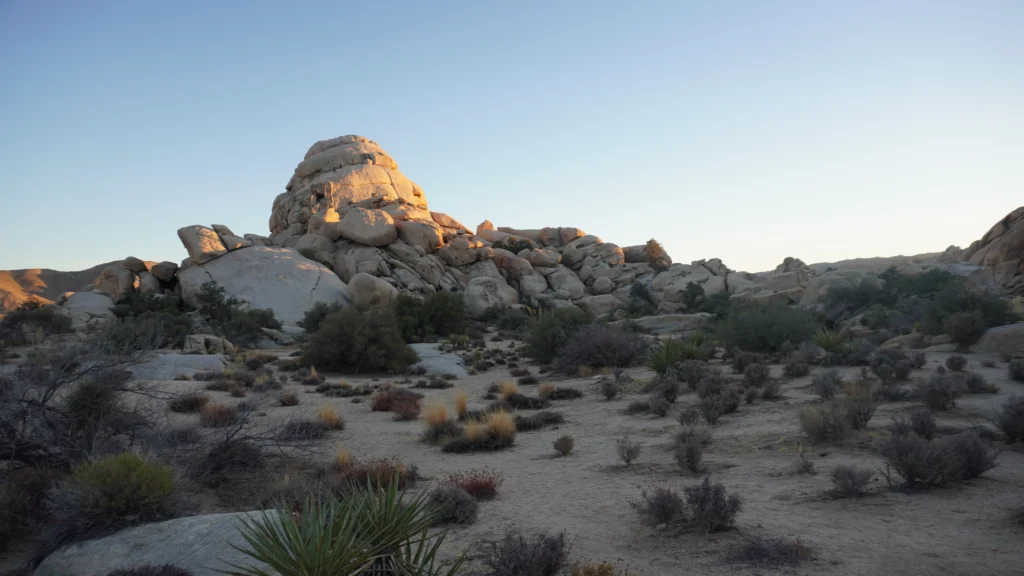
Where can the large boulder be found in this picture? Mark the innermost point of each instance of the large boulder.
(86, 309)
(369, 227)
(164, 271)
(366, 292)
(421, 235)
(600, 305)
(280, 279)
(1002, 250)
(170, 366)
(438, 363)
(201, 545)
(116, 281)
(1007, 339)
(563, 279)
(203, 244)
(207, 344)
(485, 292)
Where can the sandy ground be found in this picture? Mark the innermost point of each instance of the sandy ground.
(965, 530)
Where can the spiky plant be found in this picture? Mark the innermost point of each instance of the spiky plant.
(371, 530)
(671, 351)
(831, 341)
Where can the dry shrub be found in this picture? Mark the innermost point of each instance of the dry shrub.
(659, 406)
(1010, 418)
(756, 374)
(771, 390)
(405, 408)
(461, 402)
(627, 451)
(538, 420)
(771, 552)
(528, 380)
(593, 569)
(796, 369)
(515, 555)
(1015, 369)
(711, 409)
(860, 404)
(342, 458)
(508, 388)
(481, 484)
(825, 423)
(387, 395)
(598, 346)
(189, 402)
(453, 505)
(696, 432)
(519, 372)
(214, 415)
(564, 445)
(502, 426)
(920, 422)
(299, 430)
(330, 418)
(705, 506)
(692, 372)
(435, 414)
(849, 482)
(662, 505)
(288, 398)
(377, 472)
(826, 383)
(546, 390)
(689, 415)
(237, 391)
(956, 363)
(690, 455)
(939, 392)
(497, 431)
(942, 462)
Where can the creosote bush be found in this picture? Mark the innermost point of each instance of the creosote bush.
(760, 328)
(921, 422)
(849, 482)
(359, 342)
(454, 505)
(627, 450)
(706, 507)
(549, 333)
(826, 422)
(690, 455)
(190, 402)
(956, 363)
(940, 462)
(516, 555)
(1010, 419)
(564, 445)
(756, 375)
(826, 383)
(939, 391)
(598, 346)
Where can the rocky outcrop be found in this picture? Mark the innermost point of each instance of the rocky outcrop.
(280, 279)
(207, 344)
(367, 292)
(1001, 252)
(86, 309)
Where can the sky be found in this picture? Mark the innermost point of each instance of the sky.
(743, 130)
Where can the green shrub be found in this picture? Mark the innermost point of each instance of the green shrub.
(1010, 418)
(454, 505)
(107, 494)
(938, 463)
(21, 324)
(552, 331)
(367, 342)
(598, 346)
(229, 317)
(512, 319)
(640, 303)
(761, 328)
(435, 316)
(370, 530)
(964, 327)
(162, 329)
(314, 317)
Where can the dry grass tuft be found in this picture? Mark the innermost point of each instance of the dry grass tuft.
(343, 458)
(508, 388)
(501, 425)
(330, 418)
(289, 398)
(215, 415)
(461, 402)
(546, 390)
(435, 414)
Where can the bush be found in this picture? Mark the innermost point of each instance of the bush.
(151, 570)
(741, 360)
(1010, 419)
(795, 369)
(756, 375)
(288, 398)
(692, 372)
(976, 384)
(769, 552)
(512, 319)
(628, 451)
(671, 352)
(515, 555)
(330, 418)
(1016, 370)
(107, 494)
(598, 346)
(826, 383)
(825, 423)
(215, 415)
(711, 409)
(964, 328)
(860, 404)
(372, 530)
(367, 342)
(690, 455)
(454, 505)
(849, 482)
(938, 392)
(657, 257)
(833, 342)
(609, 388)
(498, 431)
(437, 315)
(759, 328)
(922, 463)
(662, 506)
(229, 317)
(314, 317)
(30, 322)
(956, 363)
(711, 507)
(564, 445)
(772, 389)
(538, 420)
(640, 301)
(918, 359)
(480, 484)
(921, 423)
(552, 331)
(300, 430)
(190, 402)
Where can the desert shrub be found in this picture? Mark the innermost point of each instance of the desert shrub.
(189, 402)
(151, 570)
(964, 327)
(832, 342)
(741, 360)
(214, 415)
(481, 484)
(371, 530)
(454, 505)
(690, 455)
(860, 404)
(711, 409)
(595, 569)
(514, 245)
(288, 398)
(759, 328)
(538, 420)
(297, 430)
(560, 393)
(662, 506)
(825, 423)
(519, 372)
(772, 389)
(1010, 418)
(826, 383)
(918, 359)
(956, 363)
(516, 555)
(360, 342)
(901, 370)
(552, 331)
(795, 369)
(1015, 368)
(975, 383)
(657, 257)
(627, 450)
(229, 317)
(711, 507)
(378, 473)
(694, 431)
(609, 388)
(692, 372)
(672, 352)
(164, 329)
(941, 462)
(387, 396)
(638, 407)
(756, 375)
(527, 380)
(330, 418)
(711, 385)
(314, 317)
(32, 321)
(497, 431)
(920, 422)
(564, 444)
(512, 319)
(659, 406)
(939, 392)
(598, 346)
(438, 315)
(771, 552)
(106, 494)
(849, 482)
(405, 408)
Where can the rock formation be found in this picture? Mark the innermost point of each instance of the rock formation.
(1000, 252)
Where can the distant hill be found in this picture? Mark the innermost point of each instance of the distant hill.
(18, 286)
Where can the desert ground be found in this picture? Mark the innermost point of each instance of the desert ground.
(968, 529)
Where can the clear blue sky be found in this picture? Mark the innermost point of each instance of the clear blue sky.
(745, 130)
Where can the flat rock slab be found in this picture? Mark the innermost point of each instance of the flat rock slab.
(169, 366)
(437, 363)
(199, 544)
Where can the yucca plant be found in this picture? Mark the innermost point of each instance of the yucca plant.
(833, 342)
(670, 352)
(371, 530)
